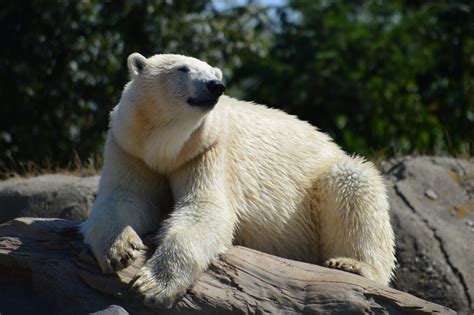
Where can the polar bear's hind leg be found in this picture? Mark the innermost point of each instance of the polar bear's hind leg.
(356, 235)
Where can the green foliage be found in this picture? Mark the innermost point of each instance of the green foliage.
(383, 76)
(64, 65)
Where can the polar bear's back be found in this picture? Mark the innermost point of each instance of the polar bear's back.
(272, 137)
(273, 160)
(273, 128)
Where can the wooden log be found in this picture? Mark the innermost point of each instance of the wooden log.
(49, 256)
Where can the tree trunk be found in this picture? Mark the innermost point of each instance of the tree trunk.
(44, 260)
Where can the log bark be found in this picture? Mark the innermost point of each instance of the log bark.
(48, 259)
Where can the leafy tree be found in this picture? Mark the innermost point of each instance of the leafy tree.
(384, 76)
(390, 76)
(64, 64)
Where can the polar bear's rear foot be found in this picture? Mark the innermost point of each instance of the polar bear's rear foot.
(351, 265)
(356, 235)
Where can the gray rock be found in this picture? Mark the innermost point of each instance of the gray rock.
(430, 193)
(432, 201)
(243, 281)
(60, 196)
(111, 310)
(435, 245)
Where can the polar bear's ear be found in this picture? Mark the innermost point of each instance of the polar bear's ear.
(136, 64)
(218, 73)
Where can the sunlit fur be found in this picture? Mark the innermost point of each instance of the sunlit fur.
(240, 173)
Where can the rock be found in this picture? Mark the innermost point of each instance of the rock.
(61, 196)
(52, 256)
(435, 243)
(111, 310)
(432, 201)
(431, 194)
(470, 224)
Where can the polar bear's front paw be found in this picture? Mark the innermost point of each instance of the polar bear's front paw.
(348, 265)
(123, 251)
(155, 290)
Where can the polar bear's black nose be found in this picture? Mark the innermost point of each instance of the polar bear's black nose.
(215, 87)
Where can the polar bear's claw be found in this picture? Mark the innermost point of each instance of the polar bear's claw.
(156, 293)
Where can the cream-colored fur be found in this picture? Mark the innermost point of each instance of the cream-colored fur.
(239, 173)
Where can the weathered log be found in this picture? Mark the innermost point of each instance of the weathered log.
(49, 256)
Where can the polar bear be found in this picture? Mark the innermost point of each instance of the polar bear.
(208, 171)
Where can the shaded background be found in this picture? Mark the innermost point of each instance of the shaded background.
(382, 77)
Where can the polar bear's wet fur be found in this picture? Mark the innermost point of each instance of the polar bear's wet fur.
(207, 171)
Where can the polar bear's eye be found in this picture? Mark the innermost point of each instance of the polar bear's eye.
(183, 69)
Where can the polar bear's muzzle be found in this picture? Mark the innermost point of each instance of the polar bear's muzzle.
(209, 95)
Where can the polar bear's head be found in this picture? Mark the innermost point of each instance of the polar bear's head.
(168, 98)
(176, 82)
